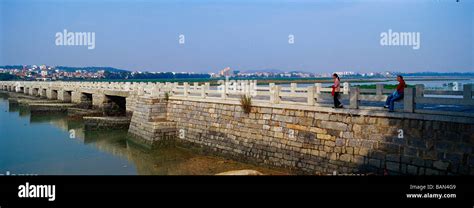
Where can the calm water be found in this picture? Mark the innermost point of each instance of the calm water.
(34, 144)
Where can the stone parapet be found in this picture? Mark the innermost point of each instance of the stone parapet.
(323, 142)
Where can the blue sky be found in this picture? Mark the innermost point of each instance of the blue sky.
(330, 36)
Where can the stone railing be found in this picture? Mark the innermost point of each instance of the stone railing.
(316, 95)
(313, 95)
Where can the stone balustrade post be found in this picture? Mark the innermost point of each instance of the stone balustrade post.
(467, 92)
(379, 89)
(420, 88)
(409, 100)
(293, 87)
(204, 89)
(224, 90)
(186, 89)
(318, 87)
(345, 88)
(310, 96)
(249, 88)
(275, 94)
(354, 98)
(270, 86)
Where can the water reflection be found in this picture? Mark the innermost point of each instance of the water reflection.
(43, 144)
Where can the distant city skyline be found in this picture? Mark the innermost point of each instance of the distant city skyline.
(328, 35)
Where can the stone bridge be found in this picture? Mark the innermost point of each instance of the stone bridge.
(289, 127)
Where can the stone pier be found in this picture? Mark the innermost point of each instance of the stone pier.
(149, 121)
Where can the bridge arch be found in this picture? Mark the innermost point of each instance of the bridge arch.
(54, 94)
(66, 96)
(35, 91)
(114, 105)
(43, 93)
(86, 100)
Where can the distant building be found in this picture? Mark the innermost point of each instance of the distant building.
(225, 72)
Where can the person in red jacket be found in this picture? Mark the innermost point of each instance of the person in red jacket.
(396, 95)
(336, 90)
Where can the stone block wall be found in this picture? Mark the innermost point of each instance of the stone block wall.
(75, 97)
(84, 99)
(323, 142)
(64, 96)
(131, 103)
(98, 100)
(104, 123)
(149, 121)
(34, 91)
(43, 93)
(52, 94)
